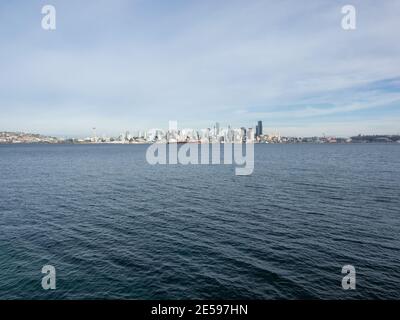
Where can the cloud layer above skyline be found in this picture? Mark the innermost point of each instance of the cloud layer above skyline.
(134, 65)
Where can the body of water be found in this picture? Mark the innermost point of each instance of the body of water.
(115, 227)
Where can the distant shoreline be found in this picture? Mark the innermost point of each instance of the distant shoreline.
(169, 138)
(150, 143)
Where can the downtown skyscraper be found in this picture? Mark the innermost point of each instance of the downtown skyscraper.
(259, 129)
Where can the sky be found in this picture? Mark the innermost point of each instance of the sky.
(133, 65)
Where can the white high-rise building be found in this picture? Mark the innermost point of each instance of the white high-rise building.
(250, 135)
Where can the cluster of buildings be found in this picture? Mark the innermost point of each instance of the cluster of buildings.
(216, 134)
(277, 138)
(21, 137)
(208, 135)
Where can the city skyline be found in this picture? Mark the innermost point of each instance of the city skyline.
(135, 65)
(212, 134)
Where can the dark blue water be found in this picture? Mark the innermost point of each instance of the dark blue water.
(116, 227)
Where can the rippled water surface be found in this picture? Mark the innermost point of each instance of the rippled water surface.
(116, 227)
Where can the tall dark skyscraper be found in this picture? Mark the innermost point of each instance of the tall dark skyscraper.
(260, 128)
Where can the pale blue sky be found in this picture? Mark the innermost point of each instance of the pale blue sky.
(134, 65)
